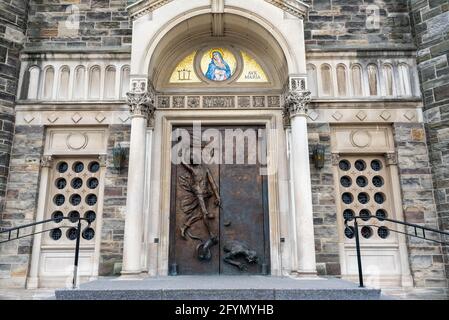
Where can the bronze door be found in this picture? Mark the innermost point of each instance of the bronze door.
(219, 213)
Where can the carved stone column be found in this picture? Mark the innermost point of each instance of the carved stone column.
(297, 100)
(141, 103)
(33, 280)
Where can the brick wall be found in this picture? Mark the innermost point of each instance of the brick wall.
(352, 23)
(324, 208)
(78, 24)
(12, 28)
(430, 20)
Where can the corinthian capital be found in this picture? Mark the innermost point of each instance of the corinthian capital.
(141, 100)
(297, 103)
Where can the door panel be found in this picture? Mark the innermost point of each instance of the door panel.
(240, 223)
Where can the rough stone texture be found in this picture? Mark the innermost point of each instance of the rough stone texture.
(21, 203)
(111, 251)
(12, 27)
(349, 23)
(426, 260)
(85, 24)
(430, 20)
(324, 208)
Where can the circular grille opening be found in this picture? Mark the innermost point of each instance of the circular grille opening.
(349, 232)
(376, 165)
(62, 167)
(94, 167)
(59, 200)
(61, 183)
(92, 183)
(381, 214)
(77, 183)
(90, 216)
(366, 232)
(383, 232)
(360, 165)
(56, 234)
(362, 182)
(88, 234)
(378, 182)
(347, 198)
(74, 216)
(379, 198)
(57, 216)
(365, 214)
(91, 199)
(344, 165)
(71, 234)
(75, 199)
(78, 167)
(363, 198)
(348, 214)
(346, 181)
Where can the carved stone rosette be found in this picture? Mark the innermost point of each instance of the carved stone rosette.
(391, 158)
(141, 104)
(296, 104)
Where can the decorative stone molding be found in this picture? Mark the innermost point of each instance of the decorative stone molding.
(46, 161)
(296, 103)
(141, 100)
(335, 158)
(103, 160)
(143, 7)
(391, 158)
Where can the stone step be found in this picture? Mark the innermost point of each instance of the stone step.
(219, 288)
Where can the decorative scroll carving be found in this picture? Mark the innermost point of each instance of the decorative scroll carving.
(193, 102)
(163, 102)
(296, 103)
(218, 102)
(200, 186)
(259, 101)
(46, 161)
(141, 100)
(103, 160)
(236, 249)
(391, 158)
(244, 101)
(335, 158)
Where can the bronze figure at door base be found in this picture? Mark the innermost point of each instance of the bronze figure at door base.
(237, 249)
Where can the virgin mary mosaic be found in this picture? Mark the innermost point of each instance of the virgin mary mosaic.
(218, 64)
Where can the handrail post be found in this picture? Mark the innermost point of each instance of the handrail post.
(77, 252)
(359, 256)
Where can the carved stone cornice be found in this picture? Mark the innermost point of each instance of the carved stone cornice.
(144, 7)
(46, 161)
(296, 103)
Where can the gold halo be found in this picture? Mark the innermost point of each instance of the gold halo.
(211, 52)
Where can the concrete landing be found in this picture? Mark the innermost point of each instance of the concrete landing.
(219, 288)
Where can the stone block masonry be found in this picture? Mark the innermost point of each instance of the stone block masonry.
(358, 24)
(13, 19)
(78, 24)
(112, 233)
(430, 20)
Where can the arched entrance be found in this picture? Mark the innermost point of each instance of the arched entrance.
(220, 65)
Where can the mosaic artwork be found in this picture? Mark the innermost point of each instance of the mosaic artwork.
(218, 64)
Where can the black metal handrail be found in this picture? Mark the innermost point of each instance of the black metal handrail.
(416, 228)
(14, 234)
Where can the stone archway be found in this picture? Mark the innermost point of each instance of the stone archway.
(160, 27)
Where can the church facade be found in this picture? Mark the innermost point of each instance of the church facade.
(225, 137)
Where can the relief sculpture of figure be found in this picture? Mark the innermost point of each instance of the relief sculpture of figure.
(200, 186)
